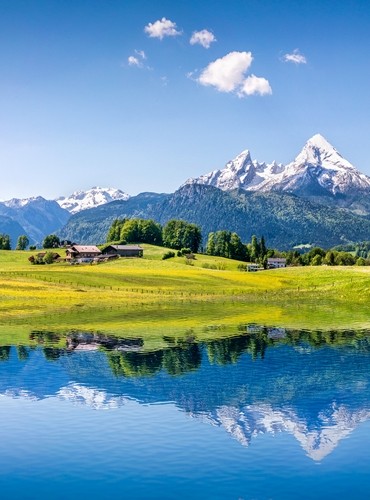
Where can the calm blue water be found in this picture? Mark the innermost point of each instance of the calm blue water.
(266, 414)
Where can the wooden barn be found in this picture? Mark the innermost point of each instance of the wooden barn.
(124, 250)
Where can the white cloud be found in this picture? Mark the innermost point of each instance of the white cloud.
(161, 28)
(137, 61)
(203, 37)
(228, 72)
(140, 53)
(134, 61)
(295, 57)
(255, 85)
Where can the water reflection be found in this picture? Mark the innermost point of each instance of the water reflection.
(313, 385)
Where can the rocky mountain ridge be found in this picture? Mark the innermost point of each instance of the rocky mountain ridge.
(319, 170)
(94, 197)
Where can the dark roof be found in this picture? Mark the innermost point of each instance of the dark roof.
(126, 247)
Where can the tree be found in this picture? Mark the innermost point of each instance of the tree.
(210, 247)
(329, 258)
(5, 242)
(22, 242)
(317, 260)
(51, 241)
(49, 258)
(255, 249)
(263, 249)
(360, 261)
(114, 232)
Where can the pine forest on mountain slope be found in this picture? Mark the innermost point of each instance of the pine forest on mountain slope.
(285, 220)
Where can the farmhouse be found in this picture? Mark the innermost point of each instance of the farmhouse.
(82, 252)
(276, 262)
(124, 250)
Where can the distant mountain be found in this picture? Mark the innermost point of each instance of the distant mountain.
(37, 216)
(91, 226)
(12, 228)
(319, 172)
(284, 219)
(94, 197)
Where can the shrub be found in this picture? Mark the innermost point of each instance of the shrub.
(242, 267)
(168, 255)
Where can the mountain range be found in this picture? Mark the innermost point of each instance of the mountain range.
(94, 197)
(319, 198)
(318, 172)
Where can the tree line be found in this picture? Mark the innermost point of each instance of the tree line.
(176, 234)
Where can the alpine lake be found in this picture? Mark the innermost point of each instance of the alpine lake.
(241, 403)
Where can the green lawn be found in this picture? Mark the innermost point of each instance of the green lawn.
(153, 297)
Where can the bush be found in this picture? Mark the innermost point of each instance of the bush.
(32, 248)
(242, 267)
(189, 262)
(168, 255)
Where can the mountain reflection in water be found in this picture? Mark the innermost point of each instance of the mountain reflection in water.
(313, 385)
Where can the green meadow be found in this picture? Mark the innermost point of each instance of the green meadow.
(152, 297)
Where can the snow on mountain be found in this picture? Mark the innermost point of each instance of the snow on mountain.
(318, 440)
(20, 203)
(317, 170)
(83, 200)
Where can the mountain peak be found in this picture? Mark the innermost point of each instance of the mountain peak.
(319, 169)
(319, 141)
(82, 200)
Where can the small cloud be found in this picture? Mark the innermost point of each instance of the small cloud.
(137, 61)
(164, 81)
(295, 57)
(161, 28)
(227, 73)
(255, 85)
(140, 53)
(134, 61)
(203, 37)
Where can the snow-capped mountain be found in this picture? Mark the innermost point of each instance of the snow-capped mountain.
(35, 216)
(83, 200)
(317, 439)
(318, 170)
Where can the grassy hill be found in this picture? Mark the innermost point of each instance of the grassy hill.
(154, 298)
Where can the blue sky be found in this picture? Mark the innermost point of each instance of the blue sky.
(112, 92)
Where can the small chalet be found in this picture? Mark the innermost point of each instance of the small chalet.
(124, 250)
(276, 262)
(82, 252)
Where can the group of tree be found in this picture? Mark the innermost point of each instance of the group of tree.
(318, 256)
(44, 258)
(51, 241)
(135, 231)
(229, 245)
(176, 234)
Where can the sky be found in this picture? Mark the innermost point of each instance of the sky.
(141, 95)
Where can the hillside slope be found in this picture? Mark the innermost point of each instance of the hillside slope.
(284, 219)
